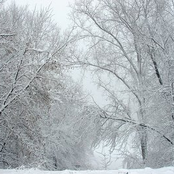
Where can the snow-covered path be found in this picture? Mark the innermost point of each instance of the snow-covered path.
(167, 170)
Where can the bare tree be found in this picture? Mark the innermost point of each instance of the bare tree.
(29, 42)
(124, 41)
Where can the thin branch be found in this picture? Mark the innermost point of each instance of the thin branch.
(30, 81)
(139, 124)
(115, 38)
(116, 75)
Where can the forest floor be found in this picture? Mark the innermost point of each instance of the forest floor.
(166, 170)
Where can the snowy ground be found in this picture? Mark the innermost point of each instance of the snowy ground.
(167, 170)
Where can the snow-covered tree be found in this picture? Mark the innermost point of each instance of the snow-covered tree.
(129, 44)
(42, 111)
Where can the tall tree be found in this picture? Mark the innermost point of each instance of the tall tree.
(41, 108)
(130, 42)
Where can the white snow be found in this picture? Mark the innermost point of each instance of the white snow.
(166, 170)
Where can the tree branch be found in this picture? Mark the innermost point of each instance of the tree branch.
(139, 124)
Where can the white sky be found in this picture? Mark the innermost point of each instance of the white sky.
(60, 8)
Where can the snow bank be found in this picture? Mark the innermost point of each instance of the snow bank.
(166, 170)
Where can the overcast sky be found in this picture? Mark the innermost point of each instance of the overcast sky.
(60, 8)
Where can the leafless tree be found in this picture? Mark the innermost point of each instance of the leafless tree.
(128, 45)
